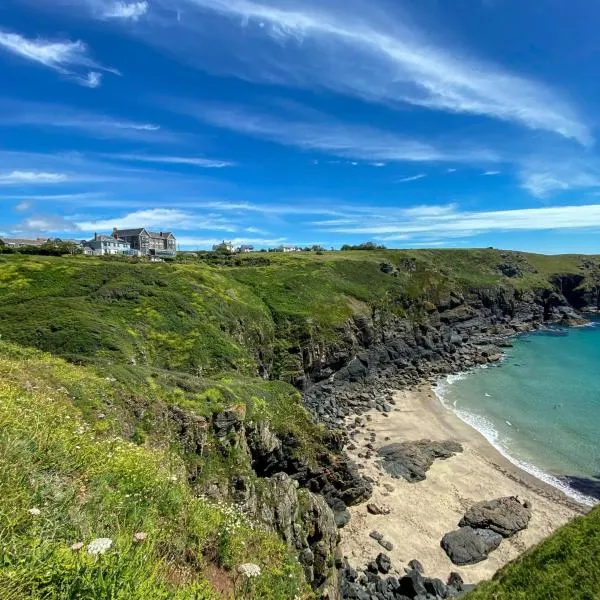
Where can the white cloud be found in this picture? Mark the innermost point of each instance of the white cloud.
(393, 225)
(64, 56)
(47, 115)
(450, 170)
(163, 218)
(327, 135)
(123, 10)
(23, 206)
(31, 177)
(542, 177)
(490, 173)
(193, 161)
(413, 178)
(370, 52)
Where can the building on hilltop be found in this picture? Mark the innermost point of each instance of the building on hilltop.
(244, 249)
(148, 243)
(223, 247)
(289, 248)
(106, 244)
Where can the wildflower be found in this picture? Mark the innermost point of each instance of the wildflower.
(77, 546)
(99, 546)
(140, 536)
(34, 512)
(249, 570)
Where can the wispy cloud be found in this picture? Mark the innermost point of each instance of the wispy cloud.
(200, 243)
(193, 161)
(390, 225)
(122, 10)
(314, 44)
(412, 178)
(324, 134)
(162, 218)
(58, 116)
(31, 178)
(66, 57)
(491, 173)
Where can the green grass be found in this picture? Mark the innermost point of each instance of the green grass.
(88, 483)
(566, 566)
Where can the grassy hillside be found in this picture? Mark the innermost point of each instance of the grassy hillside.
(563, 567)
(70, 475)
(99, 358)
(241, 317)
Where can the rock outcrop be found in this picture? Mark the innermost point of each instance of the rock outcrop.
(412, 460)
(505, 516)
(468, 546)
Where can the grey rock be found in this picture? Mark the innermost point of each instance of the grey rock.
(468, 546)
(505, 516)
(412, 460)
(415, 565)
(384, 563)
(376, 509)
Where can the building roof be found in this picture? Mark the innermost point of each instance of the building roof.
(130, 232)
(107, 238)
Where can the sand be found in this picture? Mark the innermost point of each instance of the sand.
(421, 513)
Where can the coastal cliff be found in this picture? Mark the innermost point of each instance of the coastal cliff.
(209, 359)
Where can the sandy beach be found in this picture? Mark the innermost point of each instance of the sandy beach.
(421, 513)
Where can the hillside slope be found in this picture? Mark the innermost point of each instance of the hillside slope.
(166, 405)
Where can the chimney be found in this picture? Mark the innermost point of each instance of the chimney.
(161, 234)
(95, 236)
(115, 233)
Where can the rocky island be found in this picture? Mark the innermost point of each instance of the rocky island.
(264, 427)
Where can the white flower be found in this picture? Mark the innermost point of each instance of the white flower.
(140, 536)
(249, 570)
(99, 546)
(34, 512)
(77, 546)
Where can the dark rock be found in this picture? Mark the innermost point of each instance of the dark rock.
(411, 460)
(386, 544)
(376, 535)
(456, 581)
(372, 567)
(435, 587)
(467, 546)
(415, 565)
(412, 585)
(376, 509)
(505, 516)
(384, 563)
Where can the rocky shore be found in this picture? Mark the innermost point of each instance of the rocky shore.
(342, 384)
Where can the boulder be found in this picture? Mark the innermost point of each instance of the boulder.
(505, 516)
(411, 460)
(412, 585)
(468, 546)
(384, 563)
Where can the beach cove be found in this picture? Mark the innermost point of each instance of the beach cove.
(421, 513)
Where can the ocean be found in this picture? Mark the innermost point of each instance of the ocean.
(540, 406)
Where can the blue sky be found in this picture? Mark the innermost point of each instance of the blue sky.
(412, 124)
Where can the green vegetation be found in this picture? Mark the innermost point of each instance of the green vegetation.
(111, 372)
(565, 566)
(66, 480)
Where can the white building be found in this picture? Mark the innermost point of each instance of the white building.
(289, 248)
(105, 244)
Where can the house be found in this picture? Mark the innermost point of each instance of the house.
(244, 249)
(148, 243)
(223, 247)
(107, 244)
(22, 242)
(289, 248)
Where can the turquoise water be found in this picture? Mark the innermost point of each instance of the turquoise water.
(540, 406)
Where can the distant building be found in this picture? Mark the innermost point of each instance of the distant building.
(106, 244)
(22, 242)
(244, 249)
(148, 243)
(223, 247)
(289, 248)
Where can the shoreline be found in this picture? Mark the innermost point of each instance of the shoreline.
(421, 513)
(530, 469)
